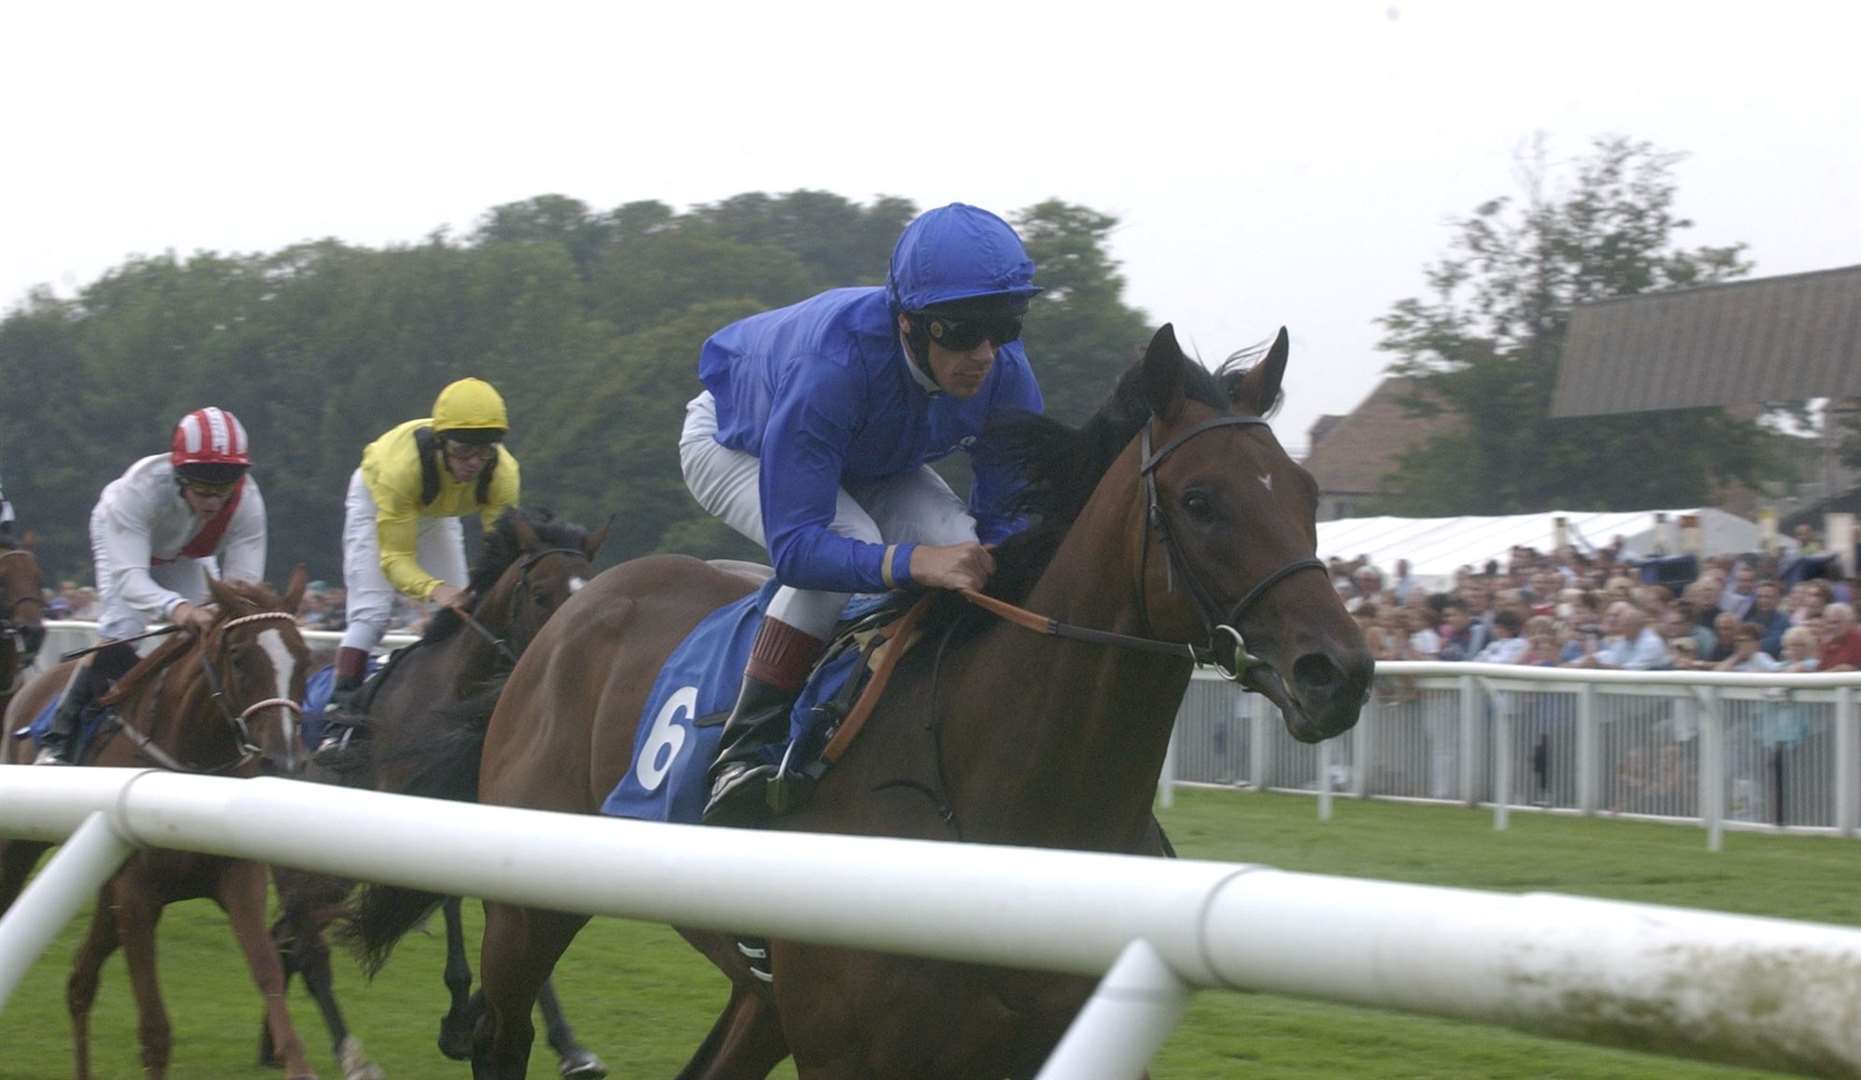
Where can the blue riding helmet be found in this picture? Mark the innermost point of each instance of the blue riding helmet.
(958, 252)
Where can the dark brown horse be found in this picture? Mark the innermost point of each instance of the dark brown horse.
(528, 567)
(22, 617)
(226, 704)
(1172, 516)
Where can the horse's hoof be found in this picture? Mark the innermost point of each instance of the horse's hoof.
(582, 1065)
(455, 1038)
(355, 1064)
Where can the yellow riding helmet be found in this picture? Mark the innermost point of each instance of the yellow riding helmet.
(470, 410)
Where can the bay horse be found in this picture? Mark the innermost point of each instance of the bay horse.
(225, 703)
(530, 563)
(1172, 521)
(22, 616)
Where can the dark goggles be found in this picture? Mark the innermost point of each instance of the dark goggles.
(208, 488)
(464, 451)
(962, 335)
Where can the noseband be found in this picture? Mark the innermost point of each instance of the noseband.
(1215, 623)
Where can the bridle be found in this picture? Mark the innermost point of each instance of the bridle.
(248, 749)
(27, 639)
(518, 594)
(1224, 650)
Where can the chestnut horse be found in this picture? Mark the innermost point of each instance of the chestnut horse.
(22, 617)
(1169, 526)
(225, 704)
(529, 565)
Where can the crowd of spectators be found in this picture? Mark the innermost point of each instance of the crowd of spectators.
(1605, 609)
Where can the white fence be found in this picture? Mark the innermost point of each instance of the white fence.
(63, 635)
(1725, 750)
(1727, 988)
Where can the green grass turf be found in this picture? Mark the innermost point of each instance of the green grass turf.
(642, 1000)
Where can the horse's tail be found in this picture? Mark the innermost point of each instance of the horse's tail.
(443, 766)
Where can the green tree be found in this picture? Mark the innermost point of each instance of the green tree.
(1485, 346)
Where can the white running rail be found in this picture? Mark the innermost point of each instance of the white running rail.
(1763, 992)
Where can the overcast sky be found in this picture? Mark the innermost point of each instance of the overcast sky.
(1276, 163)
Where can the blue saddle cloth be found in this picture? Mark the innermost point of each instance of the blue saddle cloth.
(42, 723)
(317, 691)
(699, 681)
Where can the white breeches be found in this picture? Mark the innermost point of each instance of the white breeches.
(912, 507)
(440, 550)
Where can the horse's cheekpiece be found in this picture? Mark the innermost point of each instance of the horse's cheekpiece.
(682, 724)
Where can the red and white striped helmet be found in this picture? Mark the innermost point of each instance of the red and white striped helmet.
(210, 437)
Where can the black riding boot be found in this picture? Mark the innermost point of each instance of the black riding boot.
(780, 660)
(86, 686)
(341, 722)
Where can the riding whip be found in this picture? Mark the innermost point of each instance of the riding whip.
(159, 631)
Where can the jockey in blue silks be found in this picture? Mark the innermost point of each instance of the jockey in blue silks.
(812, 438)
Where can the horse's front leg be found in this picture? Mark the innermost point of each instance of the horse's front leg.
(137, 913)
(242, 896)
(455, 1028)
(17, 858)
(573, 1060)
(81, 988)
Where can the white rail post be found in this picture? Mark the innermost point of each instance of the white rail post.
(1589, 751)
(68, 882)
(1847, 762)
(1711, 766)
(1472, 710)
(1136, 1006)
(1166, 783)
(1324, 780)
(1261, 725)
(1502, 757)
(1361, 748)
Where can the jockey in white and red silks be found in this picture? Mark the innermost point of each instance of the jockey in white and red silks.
(156, 534)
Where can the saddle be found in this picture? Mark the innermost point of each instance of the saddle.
(880, 636)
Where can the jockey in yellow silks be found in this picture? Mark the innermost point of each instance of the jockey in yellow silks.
(401, 530)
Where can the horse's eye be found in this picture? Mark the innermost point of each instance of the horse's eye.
(541, 599)
(1199, 505)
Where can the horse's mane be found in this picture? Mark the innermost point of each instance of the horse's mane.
(252, 596)
(1061, 465)
(502, 549)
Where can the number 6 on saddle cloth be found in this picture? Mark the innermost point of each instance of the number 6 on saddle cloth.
(683, 721)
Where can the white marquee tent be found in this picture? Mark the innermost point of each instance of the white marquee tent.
(1437, 547)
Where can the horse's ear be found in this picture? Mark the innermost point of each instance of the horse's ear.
(1163, 374)
(28, 539)
(592, 542)
(1258, 391)
(225, 595)
(294, 589)
(526, 536)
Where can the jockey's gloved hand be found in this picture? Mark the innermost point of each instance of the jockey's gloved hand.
(198, 619)
(449, 596)
(952, 566)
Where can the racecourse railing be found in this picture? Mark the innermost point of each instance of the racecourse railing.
(1726, 750)
(1762, 992)
(63, 635)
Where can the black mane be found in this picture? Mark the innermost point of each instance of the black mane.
(502, 549)
(1061, 465)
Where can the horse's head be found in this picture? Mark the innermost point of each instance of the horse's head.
(255, 662)
(1230, 535)
(22, 603)
(544, 562)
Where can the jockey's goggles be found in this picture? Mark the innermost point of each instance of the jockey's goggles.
(208, 488)
(962, 335)
(464, 451)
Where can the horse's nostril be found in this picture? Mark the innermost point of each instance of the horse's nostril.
(1316, 672)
